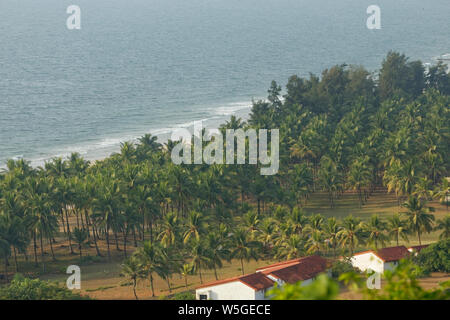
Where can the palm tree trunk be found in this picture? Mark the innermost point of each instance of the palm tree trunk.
(6, 269)
(134, 289)
(94, 234)
(242, 266)
(15, 260)
(116, 240)
(42, 252)
(125, 236)
(107, 244)
(68, 232)
(215, 272)
(134, 238)
(35, 248)
(200, 274)
(51, 249)
(86, 217)
(151, 284)
(418, 234)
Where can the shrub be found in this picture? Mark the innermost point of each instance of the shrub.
(342, 266)
(186, 295)
(323, 288)
(435, 258)
(22, 288)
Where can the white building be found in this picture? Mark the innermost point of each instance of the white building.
(379, 260)
(255, 285)
(248, 287)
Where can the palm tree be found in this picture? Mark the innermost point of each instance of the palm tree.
(186, 270)
(133, 270)
(376, 229)
(149, 256)
(397, 228)
(195, 226)
(5, 246)
(297, 220)
(314, 242)
(331, 231)
(291, 247)
(359, 177)
(442, 191)
(243, 248)
(217, 251)
(267, 234)
(352, 233)
(444, 225)
(419, 218)
(200, 257)
(80, 236)
(169, 229)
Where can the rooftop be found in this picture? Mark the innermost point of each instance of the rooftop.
(389, 254)
(256, 281)
(289, 271)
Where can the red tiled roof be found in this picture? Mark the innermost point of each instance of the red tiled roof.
(389, 254)
(256, 281)
(304, 269)
(279, 265)
(392, 253)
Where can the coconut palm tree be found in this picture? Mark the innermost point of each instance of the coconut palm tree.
(376, 229)
(444, 225)
(290, 247)
(397, 228)
(200, 257)
(442, 191)
(149, 256)
(352, 233)
(331, 233)
(243, 248)
(217, 251)
(169, 229)
(133, 270)
(195, 226)
(419, 218)
(359, 177)
(186, 270)
(80, 236)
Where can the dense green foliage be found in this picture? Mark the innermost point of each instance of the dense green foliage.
(22, 288)
(400, 284)
(322, 288)
(340, 267)
(346, 131)
(187, 295)
(435, 258)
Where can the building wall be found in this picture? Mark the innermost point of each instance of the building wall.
(235, 290)
(368, 260)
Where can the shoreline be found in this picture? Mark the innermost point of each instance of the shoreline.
(105, 147)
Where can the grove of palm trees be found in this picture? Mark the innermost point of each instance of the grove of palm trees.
(347, 136)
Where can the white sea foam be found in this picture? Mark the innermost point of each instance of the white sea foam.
(104, 147)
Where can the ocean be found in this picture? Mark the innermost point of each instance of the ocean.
(145, 66)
